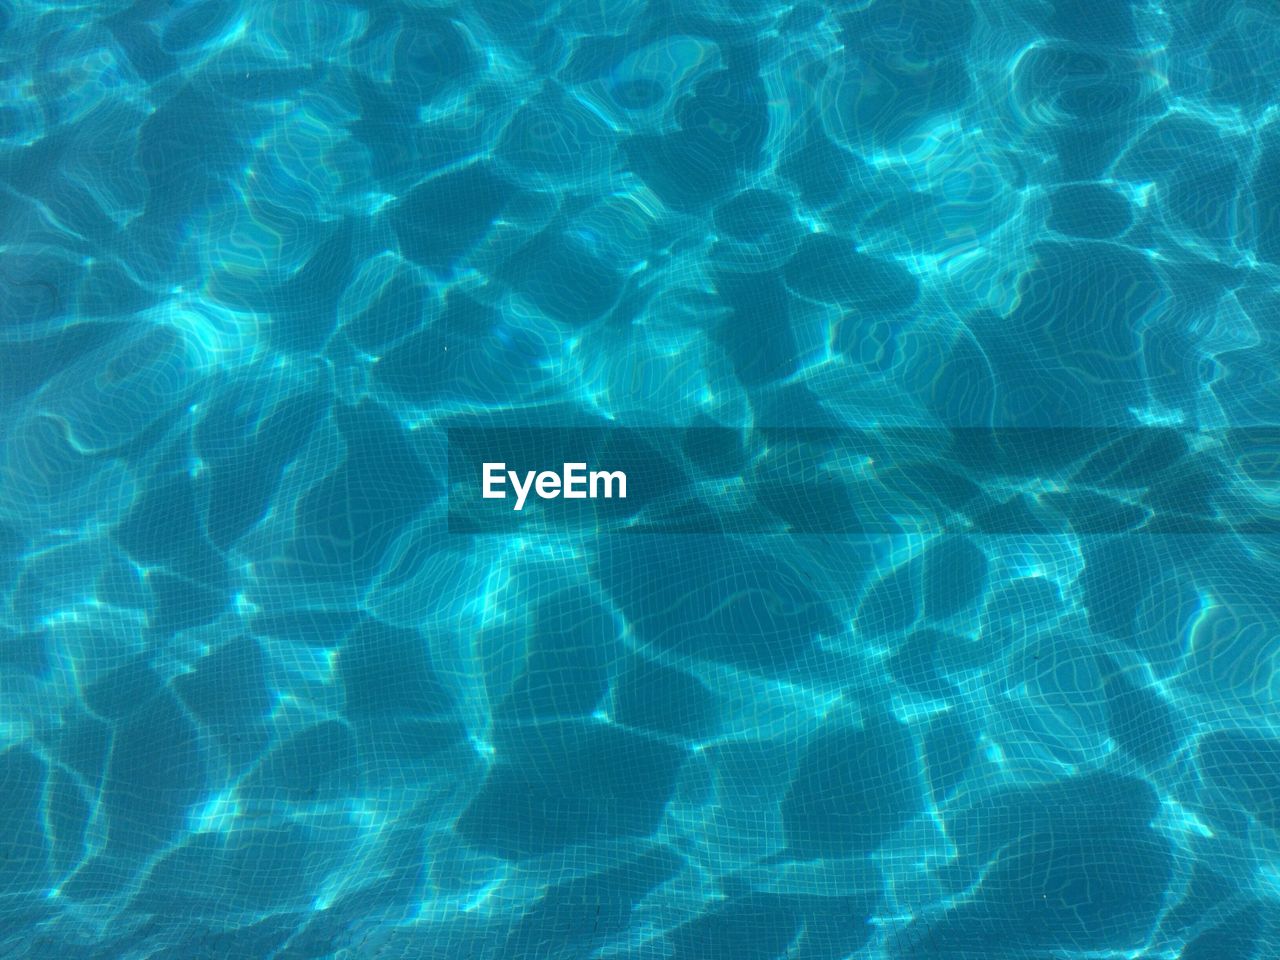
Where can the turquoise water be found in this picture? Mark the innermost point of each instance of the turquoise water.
(941, 620)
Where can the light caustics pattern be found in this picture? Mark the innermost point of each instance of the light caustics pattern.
(257, 700)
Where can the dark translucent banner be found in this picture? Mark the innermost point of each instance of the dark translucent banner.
(914, 480)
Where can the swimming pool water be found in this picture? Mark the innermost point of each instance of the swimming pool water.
(862, 687)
